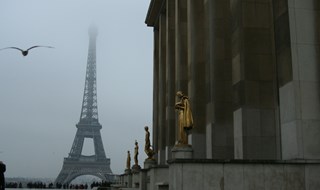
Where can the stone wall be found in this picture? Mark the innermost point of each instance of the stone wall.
(226, 175)
(243, 175)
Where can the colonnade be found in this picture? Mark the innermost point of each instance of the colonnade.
(245, 66)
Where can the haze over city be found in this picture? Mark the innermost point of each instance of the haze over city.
(41, 93)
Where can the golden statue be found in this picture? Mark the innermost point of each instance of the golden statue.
(147, 148)
(136, 152)
(185, 119)
(128, 160)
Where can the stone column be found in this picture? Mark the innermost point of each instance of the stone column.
(219, 112)
(254, 81)
(170, 78)
(181, 46)
(181, 54)
(155, 127)
(162, 90)
(297, 29)
(196, 72)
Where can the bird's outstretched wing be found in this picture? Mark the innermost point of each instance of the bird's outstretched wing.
(12, 48)
(38, 46)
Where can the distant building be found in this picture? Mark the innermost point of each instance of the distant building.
(252, 72)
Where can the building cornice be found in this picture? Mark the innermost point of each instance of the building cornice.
(155, 8)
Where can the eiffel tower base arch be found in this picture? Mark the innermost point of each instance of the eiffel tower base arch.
(72, 169)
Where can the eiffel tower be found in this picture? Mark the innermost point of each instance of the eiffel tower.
(77, 164)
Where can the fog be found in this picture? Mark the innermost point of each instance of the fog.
(41, 94)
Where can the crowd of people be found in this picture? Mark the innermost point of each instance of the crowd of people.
(30, 185)
(83, 186)
(41, 185)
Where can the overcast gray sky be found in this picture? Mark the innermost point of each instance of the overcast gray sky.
(41, 94)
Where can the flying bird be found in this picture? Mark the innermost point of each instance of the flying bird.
(25, 52)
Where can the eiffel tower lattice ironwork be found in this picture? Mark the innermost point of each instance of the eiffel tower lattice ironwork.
(77, 164)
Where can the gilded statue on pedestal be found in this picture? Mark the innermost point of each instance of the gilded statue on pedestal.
(185, 119)
(128, 160)
(136, 153)
(147, 148)
(136, 168)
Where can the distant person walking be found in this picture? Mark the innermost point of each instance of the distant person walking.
(2, 170)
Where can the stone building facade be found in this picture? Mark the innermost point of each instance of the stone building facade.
(251, 69)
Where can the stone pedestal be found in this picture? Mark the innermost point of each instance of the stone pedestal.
(135, 168)
(143, 179)
(182, 152)
(127, 178)
(127, 171)
(148, 163)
